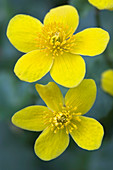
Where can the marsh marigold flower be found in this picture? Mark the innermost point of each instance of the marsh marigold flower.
(102, 4)
(107, 81)
(61, 117)
(51, 46)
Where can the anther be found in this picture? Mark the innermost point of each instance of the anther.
(78, 119)
(57, 43)
(74, 125)
(78, 114)
(67, 131)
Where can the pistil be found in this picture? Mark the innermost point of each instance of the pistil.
(64, 119)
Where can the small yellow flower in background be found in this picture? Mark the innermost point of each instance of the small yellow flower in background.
(107, 81)
(102, 4)
(53, 47)
(61, 117)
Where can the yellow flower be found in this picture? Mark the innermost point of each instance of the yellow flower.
(107, 81)
(61, 117)
(102, 4)
(53, 47)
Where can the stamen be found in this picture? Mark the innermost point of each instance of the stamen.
(67, 131)
(73, 125)
(56, 38)
(64, 119)
(78, 114)
(78, 119)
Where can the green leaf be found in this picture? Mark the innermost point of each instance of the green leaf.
(14, 95)
(103, 158)
(104, 102)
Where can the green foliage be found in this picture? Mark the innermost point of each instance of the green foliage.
(102, 160)
(13, 95)
(82, 5)
(104, 102)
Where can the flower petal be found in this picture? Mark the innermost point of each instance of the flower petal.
(89, 133)
(111, 9)
(68, 69)
(33, 65)
(82, 96)
(62, 15)
(23, 31)
(51, 95)
(50, 145)
(90, 42)
(31, 118)
(102, 4)
(107, 81)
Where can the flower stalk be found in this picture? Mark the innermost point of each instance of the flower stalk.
(98, 24)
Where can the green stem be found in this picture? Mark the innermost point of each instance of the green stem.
(107, 58)
(106, 53)
(108, 124)
(97, 15)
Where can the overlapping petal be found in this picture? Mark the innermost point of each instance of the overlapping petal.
(23, 31)
(68, 69)
(66, 15)
(33, 65)
(50, 145)
(31, 118)
(82, 96)
(107, 81)
(102, 4)
(89, 133)
(90, 42)
(51, 94)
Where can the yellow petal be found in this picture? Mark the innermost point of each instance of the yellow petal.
(66, 15)
(89, 133)
(82, 96)
(68, 70)
(107, 81)
(50, 145)
(31, 118)
(111, 9)
(33, 65)
(102, 4)
(23, 31)
(51, 95)
(90, 42)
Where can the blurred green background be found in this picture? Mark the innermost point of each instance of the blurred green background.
(16, 145)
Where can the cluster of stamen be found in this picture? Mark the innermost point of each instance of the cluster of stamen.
(56, 39)
(63, 119)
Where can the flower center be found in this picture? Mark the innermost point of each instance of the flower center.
(56, 39)
(64, 119)
(61, 119)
